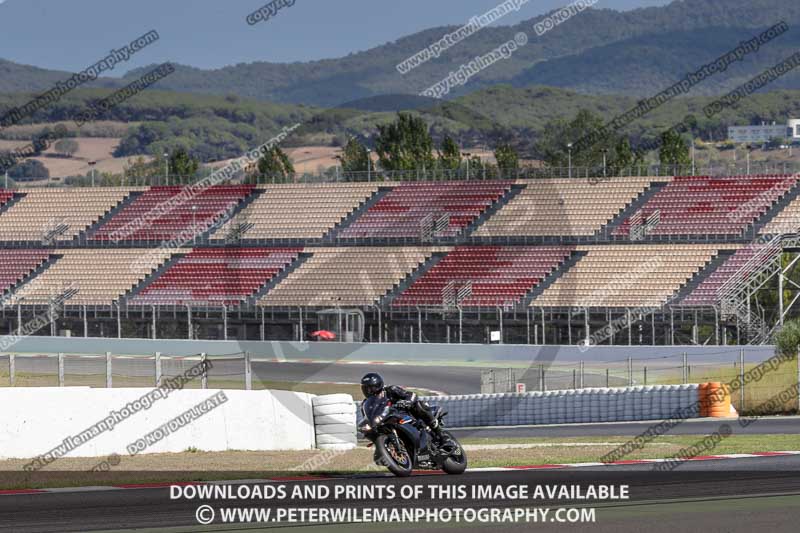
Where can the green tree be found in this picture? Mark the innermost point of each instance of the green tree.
(553, 146)
(355, 157)
(66, 147)
(449, 154)
(507, 158)
(182, 165)
(674, 149)
(405, 144)
(275, 166)
(30, 169)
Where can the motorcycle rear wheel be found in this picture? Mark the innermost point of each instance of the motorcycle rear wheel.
(456, 463)
(398, 462)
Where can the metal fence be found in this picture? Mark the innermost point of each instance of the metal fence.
(484, 172)
(672, 369)
(109, 370)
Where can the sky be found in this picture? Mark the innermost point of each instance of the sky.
(72, 34)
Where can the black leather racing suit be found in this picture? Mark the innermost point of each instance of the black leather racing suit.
(418, 408)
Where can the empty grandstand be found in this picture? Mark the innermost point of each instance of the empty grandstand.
(358, 276)
(172, 212)
(98, 277)
(292, 254)
(483, 276)
(701, 206)
(421, 211)
(563, 208)
(215, 276)
(57, 215)
(294, 212)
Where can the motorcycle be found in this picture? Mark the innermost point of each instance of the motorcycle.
(403, 443)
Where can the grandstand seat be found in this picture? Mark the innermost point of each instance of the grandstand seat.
(721, 206)
(166, 213)
(705, 294)
(95, 276)
(299, 211)
(563, 207)
(640, 275)
(403, 211)
(57, 214)
(216, 276)
(498, 275)
(16, 265)
(357, 276)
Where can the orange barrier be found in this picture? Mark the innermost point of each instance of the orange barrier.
(714, 399)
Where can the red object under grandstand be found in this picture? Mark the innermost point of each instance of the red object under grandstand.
(15, 265)
(153, 217)
(324, 335)
(216, 276)
(405, 211)
(499, 275)
(711, 206)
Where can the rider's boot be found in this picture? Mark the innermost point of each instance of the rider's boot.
(436, 430)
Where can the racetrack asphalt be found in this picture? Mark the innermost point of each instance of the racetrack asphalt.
(756, 494)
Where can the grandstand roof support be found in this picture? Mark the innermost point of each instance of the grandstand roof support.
(154, 322)
(189, 332)
(224, 322)
(587, 328)
(630, 326)
(85, 323)
(263, 329)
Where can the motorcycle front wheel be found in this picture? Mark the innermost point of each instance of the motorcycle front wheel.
(398, 461)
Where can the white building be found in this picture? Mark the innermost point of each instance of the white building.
(765, 132)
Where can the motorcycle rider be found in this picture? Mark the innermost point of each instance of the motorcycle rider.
(372, 385)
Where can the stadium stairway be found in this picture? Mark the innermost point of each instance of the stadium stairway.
(333, 234)
(607, 231)
(146, 282)
(703, 274)
(302, 257)
(86, 235)
(776, 208)
(412, 277)
(545, 284)
(490, 211)
(31, 275)
(8, 204)
(210, 233)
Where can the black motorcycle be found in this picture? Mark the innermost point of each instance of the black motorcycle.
(403, 443)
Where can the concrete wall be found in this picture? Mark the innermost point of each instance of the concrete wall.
(35, 420)
(387, 352)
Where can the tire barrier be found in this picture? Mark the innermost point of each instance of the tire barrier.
(656, 402)
(334, 421)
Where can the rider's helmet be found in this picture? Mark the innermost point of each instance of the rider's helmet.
(371, 384)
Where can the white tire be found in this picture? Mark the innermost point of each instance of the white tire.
(331, 399)
(335, 409)
(336, 429)
(337, 439)
(334, 419)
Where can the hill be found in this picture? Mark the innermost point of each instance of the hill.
(599, 51)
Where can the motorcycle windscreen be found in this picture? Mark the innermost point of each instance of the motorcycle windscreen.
(374, 407)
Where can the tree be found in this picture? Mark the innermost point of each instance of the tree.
(405, 144)
(28, 170)
(449, 154)
(355, 157)
(507, 158)
(66, 147)
(553, 146)
(275, 165)
(674, 150)
(181, 164)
